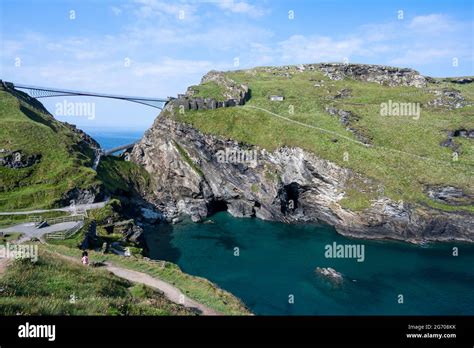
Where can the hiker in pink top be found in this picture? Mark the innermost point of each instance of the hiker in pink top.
(85, 258)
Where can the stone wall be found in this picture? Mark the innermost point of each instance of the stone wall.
(234, 94)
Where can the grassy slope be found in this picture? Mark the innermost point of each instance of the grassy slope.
(197, 288)
(63, 164)
(121, 177)
(402, 175)
(46, 287)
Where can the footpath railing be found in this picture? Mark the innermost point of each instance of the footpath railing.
(57, 220)
(65, 234)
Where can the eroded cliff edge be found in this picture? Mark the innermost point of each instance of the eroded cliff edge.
(288, 184)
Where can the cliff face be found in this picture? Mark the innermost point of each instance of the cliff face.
(197, 174)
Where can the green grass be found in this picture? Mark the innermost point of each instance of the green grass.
(9, 237)
(72, 242)
(197, 288)
(393, 162)
(110, 210)
(65, 162)
(209, 90)
(122, 177)
(54, 286)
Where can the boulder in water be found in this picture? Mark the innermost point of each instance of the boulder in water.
(329, 273)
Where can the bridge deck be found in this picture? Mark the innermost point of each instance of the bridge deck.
(48, 92)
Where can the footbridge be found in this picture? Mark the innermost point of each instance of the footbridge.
(117, 149)
(48, 92)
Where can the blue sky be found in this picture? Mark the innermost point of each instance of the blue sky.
(157, 48)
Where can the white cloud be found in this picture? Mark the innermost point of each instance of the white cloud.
(116, 10)
(241, 7)
(11, 47)
(432, 23)
(300, 49)
(172, 67)
(428, 20)
(184, 11)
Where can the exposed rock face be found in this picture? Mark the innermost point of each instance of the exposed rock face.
(383, 75)
(343, 93)
(460, 80)
(232, 89)
(86, 139)
(17, 160)
(448, 98)
(463, 133)
(450, 195)
(287, 185)
(347, 119)
(79, 196)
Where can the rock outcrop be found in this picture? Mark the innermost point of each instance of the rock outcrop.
(448, 98)
(452, 134)
(287, 185)
(380, 74)
(348, 119)
(233, 94)
(383, 75)
(17, 160)
(450, 195)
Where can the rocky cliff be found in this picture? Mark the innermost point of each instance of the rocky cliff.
(288, 185)
(198, 174)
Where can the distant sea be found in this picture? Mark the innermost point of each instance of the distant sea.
(110, 138)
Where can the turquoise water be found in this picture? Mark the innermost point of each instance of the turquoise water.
(277, 260)
(109, 139)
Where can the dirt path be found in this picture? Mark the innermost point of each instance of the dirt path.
(170, 291)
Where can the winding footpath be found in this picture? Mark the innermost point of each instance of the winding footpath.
(171, 292)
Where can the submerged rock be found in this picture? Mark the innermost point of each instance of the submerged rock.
(329, 273)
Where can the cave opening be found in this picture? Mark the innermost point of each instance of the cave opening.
(289, 195)
(216, 206)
